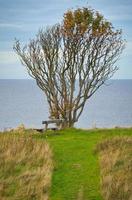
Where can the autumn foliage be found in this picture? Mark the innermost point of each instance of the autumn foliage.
(84, 47)
(85, 20)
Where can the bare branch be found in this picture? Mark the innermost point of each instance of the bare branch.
(71, 61)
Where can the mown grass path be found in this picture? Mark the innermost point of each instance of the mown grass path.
(76, 167)
(76, 173)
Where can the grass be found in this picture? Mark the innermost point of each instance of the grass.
(25, 167)
(76, 163)
(116, 168)
(76, 166)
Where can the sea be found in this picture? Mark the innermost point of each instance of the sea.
(23, 102)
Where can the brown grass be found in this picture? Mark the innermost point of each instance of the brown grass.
(25, 167)
(116, 168)
(80, 195)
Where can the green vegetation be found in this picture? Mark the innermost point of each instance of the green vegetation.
(76, 160)
(76, 165)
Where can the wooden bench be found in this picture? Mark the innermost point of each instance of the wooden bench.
(54, 121)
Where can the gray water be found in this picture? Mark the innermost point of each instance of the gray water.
(22, 102)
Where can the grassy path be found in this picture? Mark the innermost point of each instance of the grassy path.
(76, 174)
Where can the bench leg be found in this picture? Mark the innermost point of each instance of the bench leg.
(46, 126)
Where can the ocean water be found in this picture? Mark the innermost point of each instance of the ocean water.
(22, 102)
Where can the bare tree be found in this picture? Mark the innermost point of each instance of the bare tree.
(71, 60)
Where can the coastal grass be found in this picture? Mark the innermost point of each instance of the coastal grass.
(115, 157)
(77, 172)
(75, 161)
(25, 167)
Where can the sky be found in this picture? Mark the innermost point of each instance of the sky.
(22, 19)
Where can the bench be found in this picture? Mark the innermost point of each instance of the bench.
(54, 121)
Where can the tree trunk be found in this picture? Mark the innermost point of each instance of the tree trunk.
(66, 124)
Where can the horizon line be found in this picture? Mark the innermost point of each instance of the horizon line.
(34, 79)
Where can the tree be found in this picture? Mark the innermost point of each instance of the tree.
(71, 60)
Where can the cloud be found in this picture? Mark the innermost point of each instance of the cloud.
(118, 17)
(115, 11)
(23, 20)
(8, 57)
(10, 25)
(128, 49)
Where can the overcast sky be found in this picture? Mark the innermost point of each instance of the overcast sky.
(22, 19)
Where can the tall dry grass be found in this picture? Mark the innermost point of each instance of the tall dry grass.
(25, 167)
(116, 168)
